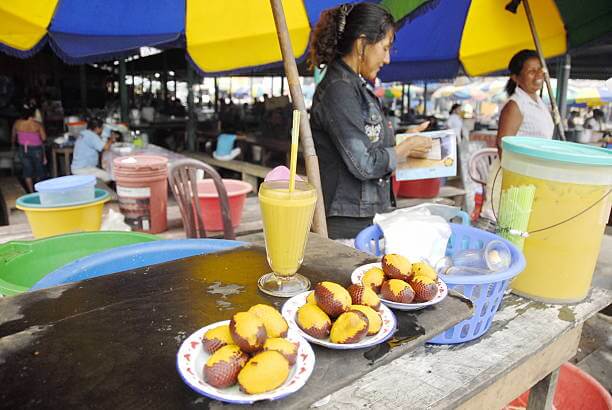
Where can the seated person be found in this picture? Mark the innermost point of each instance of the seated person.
(87, 151)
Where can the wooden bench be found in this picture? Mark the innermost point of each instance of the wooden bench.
(250, 172)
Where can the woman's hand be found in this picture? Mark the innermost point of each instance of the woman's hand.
(416, 147)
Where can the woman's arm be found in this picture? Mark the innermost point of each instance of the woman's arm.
(510, 121)
(43, 134)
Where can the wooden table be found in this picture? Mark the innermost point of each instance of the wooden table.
(67, 153)
(488, 136)
(111, 342)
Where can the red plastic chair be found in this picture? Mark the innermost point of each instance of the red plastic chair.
(183, 182)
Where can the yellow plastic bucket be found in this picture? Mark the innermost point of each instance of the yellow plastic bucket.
(569, 214)
(73, 217)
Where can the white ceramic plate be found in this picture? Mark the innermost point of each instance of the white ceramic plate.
(192, 357)
(442, 290)
(386, 331)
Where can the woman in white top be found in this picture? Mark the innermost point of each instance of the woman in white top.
(524, 114)
(455, 122)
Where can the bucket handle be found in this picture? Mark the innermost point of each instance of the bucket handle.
(13, 249)
(526, 234)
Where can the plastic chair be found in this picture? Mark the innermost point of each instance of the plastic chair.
(480, 163)
(368, 240)
(183, 182)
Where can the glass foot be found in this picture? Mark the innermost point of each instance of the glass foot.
(283, 287)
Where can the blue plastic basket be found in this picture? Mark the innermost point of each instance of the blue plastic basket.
(485, 291)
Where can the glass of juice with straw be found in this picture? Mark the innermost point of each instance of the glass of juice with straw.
(287, 208)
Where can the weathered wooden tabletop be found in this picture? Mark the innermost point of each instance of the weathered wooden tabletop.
(112, 341)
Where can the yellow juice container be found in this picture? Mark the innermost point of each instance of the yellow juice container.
(569, 213)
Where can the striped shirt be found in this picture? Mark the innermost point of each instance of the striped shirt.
(537, 121)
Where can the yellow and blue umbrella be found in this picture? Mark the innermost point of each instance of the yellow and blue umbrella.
(481, 35)
(219, 36)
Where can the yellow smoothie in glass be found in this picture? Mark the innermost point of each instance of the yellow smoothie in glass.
(287, 217)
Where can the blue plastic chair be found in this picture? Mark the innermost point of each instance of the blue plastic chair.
(132, 257)
(368, 240)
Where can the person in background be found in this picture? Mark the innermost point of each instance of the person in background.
(87, 150)
(594, 123)
(354, 140)
(524, 114)
(30, 135)
(455, 122)
(571, 120)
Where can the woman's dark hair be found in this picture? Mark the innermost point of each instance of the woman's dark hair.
(339, 27)
(454, 107)
(93, 123)
(27, 111)
(516, 66)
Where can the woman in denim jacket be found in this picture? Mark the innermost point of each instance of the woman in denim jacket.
(354, 140)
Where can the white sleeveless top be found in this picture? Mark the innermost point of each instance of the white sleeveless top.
(537, 120)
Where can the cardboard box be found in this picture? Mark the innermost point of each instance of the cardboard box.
(441, 161)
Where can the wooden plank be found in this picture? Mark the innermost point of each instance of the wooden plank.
(534, 371)
(439, 377)
(542, 394)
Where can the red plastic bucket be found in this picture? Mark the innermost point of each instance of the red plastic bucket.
(142, 189)
(211, 206)
(575, 390)
(419, 188)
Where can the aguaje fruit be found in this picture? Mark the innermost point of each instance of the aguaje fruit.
(275, 324)
(364, 295)
(312, 320)
(222, 368)
(248, 331)
(264, 372)
(397, 290)
(424, 269)
(425, 289)
(396, 266)
(332, 298)
(284, 346)
(374, 318)
(374, 278)
(311, 298)
(350, 327)
(216, 338)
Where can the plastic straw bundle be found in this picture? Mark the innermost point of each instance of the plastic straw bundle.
(514, 212)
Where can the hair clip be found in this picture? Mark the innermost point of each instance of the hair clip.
(345, 9)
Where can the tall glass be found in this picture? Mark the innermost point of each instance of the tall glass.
(287, 217)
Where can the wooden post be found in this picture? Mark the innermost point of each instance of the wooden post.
(319, 224)
(216, 96)
(123, 95)
(425, 99)
(536, 40)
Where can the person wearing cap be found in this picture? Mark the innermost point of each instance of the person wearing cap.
(87, 150)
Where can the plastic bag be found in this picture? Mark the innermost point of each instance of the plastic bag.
(114, 221)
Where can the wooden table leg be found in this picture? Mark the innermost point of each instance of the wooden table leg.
(54, 163)
(67, 162)
(543, 393)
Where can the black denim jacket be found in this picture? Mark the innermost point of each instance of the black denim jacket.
(354, 143)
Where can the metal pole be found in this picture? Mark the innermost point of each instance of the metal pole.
(402, 101)
(425, 99)
(83, 84)
(319, 224)
(562, 92)
(123, 95)
(191, 120)
(536, 40)
(216, 96)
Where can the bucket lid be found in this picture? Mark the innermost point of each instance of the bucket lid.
(136, 162)
(32, 201)
(555, 150)
(65, 183)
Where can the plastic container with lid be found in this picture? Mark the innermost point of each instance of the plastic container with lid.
(569, 213)
(66, 190)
